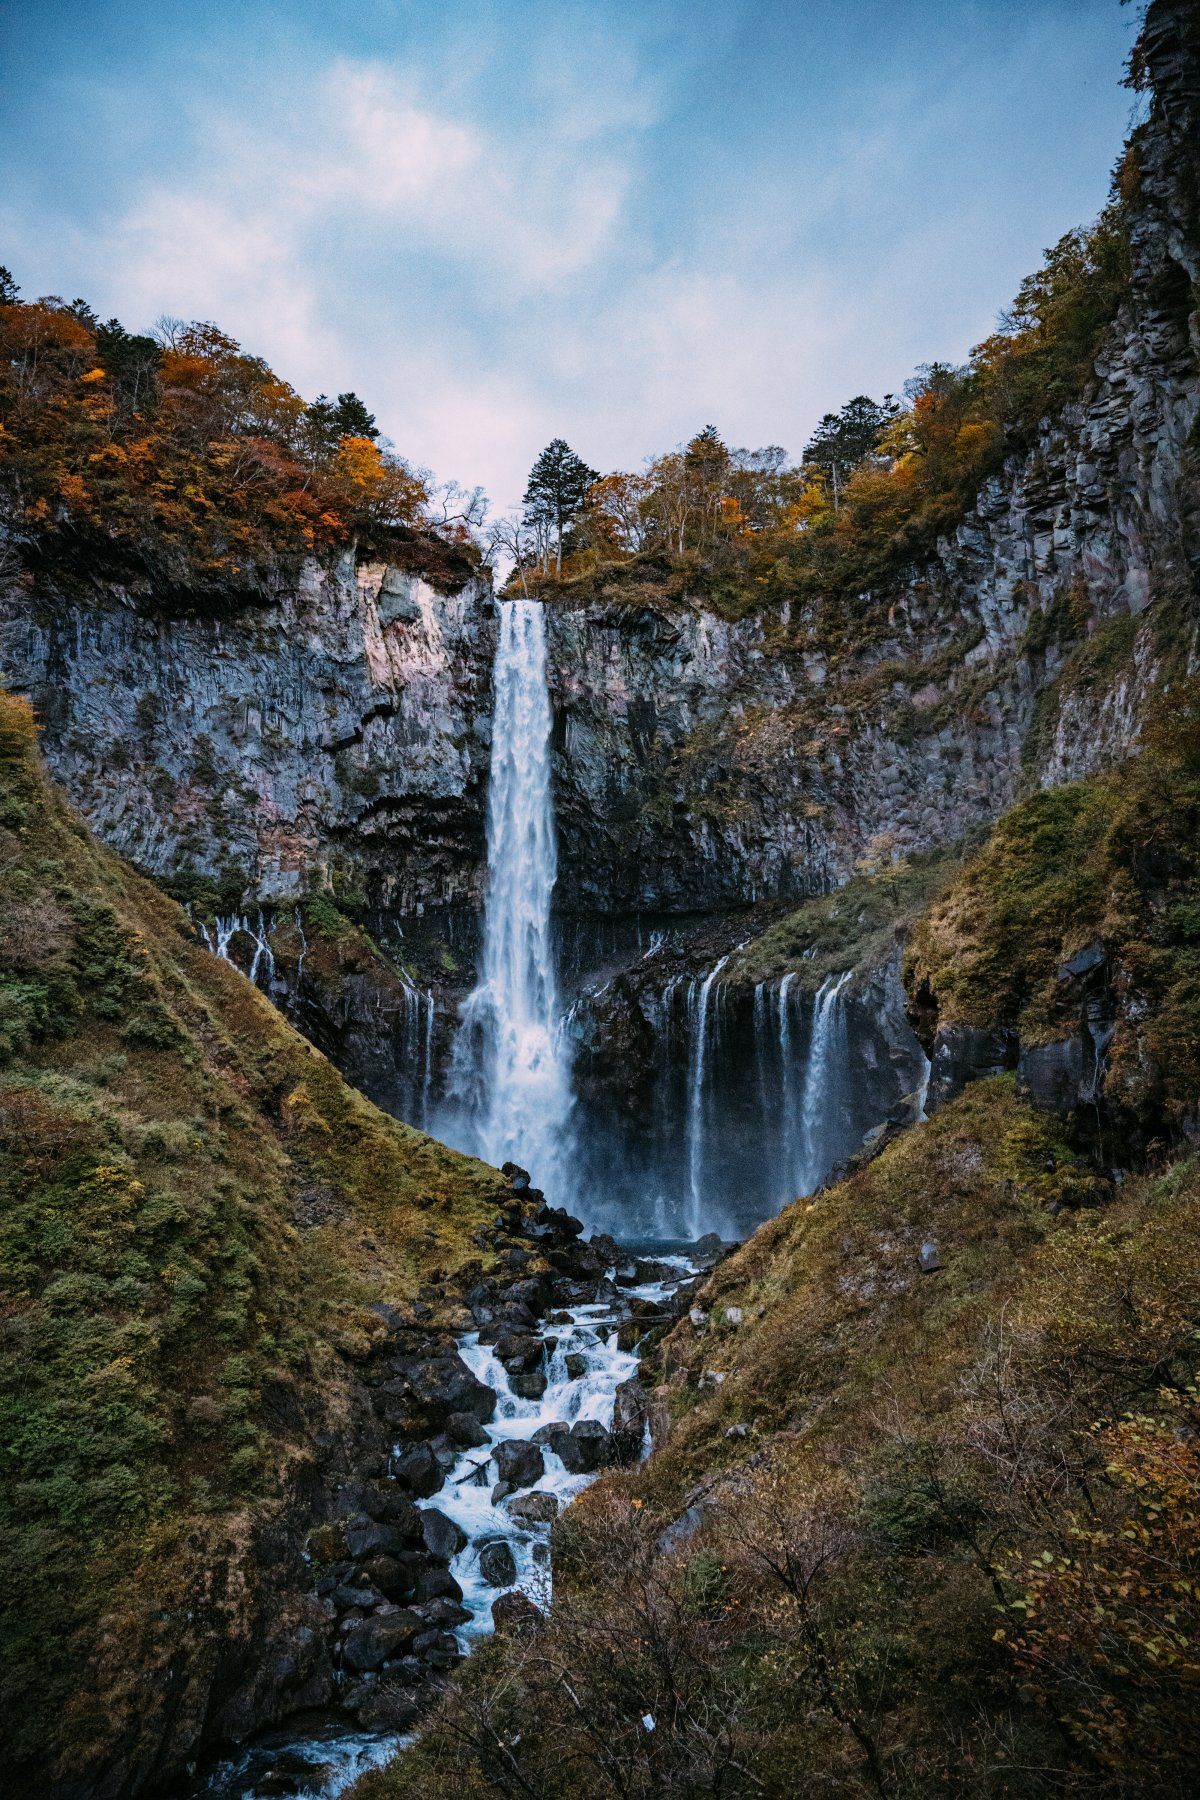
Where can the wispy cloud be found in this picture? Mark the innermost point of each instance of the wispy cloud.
(618, 225)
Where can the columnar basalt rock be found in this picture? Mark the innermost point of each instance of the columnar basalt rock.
(340, 727)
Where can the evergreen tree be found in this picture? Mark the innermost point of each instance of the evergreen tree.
(558, 486)
(327, 422)
(843, 439)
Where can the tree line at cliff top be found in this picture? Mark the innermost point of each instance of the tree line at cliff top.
(180, 451)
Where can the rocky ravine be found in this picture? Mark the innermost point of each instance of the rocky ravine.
(362, 1614)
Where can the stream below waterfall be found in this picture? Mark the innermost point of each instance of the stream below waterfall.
(584, 1366)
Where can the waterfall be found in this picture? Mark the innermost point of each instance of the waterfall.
(698, 1008)
(828, 1033)
(219, 940)
(510, 1075)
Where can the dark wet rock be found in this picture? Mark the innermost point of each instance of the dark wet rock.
(418, 1469)
(519, 1177)
(396, 1577)
(465, 1430)
(519, 1462)
(588, 1447)
(387, 1503)
(514, 1614)
(629, 1420)
(519, 1350)
(576, 1365)
(533, 1509)
(380, 1706)
(444, 1613)
(1057, 1077)
(547, 1435)
(500, 1492)
(443, 1538)
(531, 1294)
(435, 1387)
(497, 1564)
(1084, 962)
(436, 1584)
(438, 1648)
(368, 1537)
(529, 1384)
(369, 1644)
(965, 1053)
(362, 1595)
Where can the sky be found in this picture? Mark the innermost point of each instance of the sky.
(614, 221)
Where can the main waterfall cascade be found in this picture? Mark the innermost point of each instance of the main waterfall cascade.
(509, 1092)
(748, 1096)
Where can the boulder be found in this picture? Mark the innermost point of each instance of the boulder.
(387, 1502)
(548, 1435)
(529, 1384)
(465, 1430)
(436, 1583)
(396, 1577)
(629, 1420)
(588, 1447)
(418, 1469)
(576, 1365)
(371, 1642)
(519, 1462)
(520, 1350)
(382, 1706)
(533, 1509)
(497, 1564)
(928, 1260)
(515, 1614)
(367, 1537)
(444, 1613)
(443, 1538)
(438, 1648)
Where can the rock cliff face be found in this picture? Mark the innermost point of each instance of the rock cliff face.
(339, 731)
(705, 764)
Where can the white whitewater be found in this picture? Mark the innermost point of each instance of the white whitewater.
(699, 1007)
(510, 1072)
(825, 1044)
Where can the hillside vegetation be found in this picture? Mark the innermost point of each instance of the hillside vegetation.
(197, 1213)
(181, 459)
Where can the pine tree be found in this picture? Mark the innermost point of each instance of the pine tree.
(558, 486)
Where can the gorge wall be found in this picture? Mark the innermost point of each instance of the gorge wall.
(708, 770)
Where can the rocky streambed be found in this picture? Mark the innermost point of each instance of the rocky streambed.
(493, 1427)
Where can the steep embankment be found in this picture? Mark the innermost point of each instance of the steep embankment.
(199, 1217)
(923, 1510)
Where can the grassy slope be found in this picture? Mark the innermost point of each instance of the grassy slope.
(1112, 860)
(170, 1336)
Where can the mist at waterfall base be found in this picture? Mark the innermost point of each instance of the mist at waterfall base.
(748, 1098)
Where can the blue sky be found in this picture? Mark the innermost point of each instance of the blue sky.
(614, 220)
